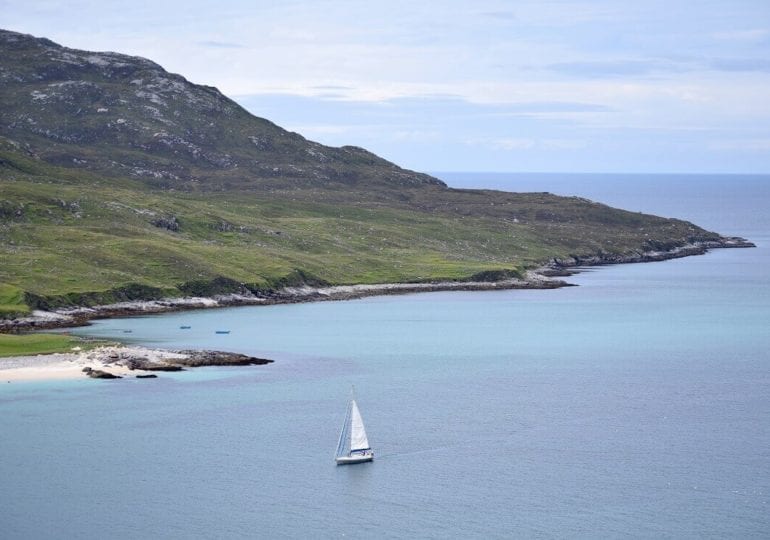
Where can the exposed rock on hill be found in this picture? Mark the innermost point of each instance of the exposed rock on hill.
(58, 103)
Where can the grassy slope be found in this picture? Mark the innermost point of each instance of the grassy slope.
(12, 301)
(57, 237)
(16, 345)
(114, 243)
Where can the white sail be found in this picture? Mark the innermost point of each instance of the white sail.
(358, 440)
(341, 450)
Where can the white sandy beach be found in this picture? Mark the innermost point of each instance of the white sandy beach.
(70, 365)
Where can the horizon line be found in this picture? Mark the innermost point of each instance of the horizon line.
(586, 173)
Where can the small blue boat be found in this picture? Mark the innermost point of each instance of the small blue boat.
(185, 327)
(223, 331)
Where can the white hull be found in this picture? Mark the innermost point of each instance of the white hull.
(356, 458)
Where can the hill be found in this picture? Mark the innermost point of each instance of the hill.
(120, 180)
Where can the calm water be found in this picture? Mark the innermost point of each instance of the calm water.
(637, 404)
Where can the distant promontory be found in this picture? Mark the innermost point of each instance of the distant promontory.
(121, 182)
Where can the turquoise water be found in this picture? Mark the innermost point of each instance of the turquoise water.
(637, 404)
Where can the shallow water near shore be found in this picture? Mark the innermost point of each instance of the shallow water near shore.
(635, 404)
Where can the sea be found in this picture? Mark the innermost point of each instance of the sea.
(635, 405)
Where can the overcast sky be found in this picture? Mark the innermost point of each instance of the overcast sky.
(563, 86)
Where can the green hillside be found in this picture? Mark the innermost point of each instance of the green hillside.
(119, 180)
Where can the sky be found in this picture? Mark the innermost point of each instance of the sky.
(677, 86)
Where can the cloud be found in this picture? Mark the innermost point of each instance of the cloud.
(742, 145)
(326, 87)
(752, 35)
(411, 108)
(501, 15)
(741, 64)
(564, 144)
(331, 96)
(552, 107)
(221, 45)
(619, 69)
(613, 68)
(514, 144)
(417, 136)
(502, 143)
(315, 130)
(460, 104)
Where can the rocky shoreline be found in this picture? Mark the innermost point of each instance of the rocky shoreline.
(140, 361)
(677, 252)
(117, 362)
(541, 278)
(79, 316)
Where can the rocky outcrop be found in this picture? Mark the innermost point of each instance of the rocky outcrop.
(169, 223)
(140, 359)
(145, 364)
(193, 359)
(100, 374)
(557, 265)
(219, 358)
(141, 362)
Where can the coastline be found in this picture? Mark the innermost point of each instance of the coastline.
(79, 316)
(543, 277)
(114, 362)
(122, 361)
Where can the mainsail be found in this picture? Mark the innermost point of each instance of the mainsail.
(358, 440)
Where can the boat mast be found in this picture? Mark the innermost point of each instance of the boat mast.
(343, 432)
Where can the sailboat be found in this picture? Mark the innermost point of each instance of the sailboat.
(353, 446)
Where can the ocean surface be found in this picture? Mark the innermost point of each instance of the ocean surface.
(634, 405)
